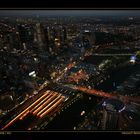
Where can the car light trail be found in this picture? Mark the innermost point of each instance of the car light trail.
(95, 92)
(48, 105)
(22, 113)
(48, 96)
(32, 105)
(41, 107)
(51, 108)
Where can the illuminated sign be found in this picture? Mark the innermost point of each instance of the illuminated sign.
(133, 58)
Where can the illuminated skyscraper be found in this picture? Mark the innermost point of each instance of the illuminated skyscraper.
(25, 34)
(39, 35)
(49, 38)
(88, 35)
(63, 34)
(46, 34)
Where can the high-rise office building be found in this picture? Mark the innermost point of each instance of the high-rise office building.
(89, 36)
(13, 40)
(26, 34)
(22, 33)
(111, 110)
(46, 35)
(110, 120)
(49, 38)
(63, 34)
(39, 34)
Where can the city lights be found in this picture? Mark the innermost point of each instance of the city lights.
(65, 70)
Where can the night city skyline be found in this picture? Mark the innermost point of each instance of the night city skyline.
(69, 70)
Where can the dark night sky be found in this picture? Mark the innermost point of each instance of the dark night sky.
(70, 12)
